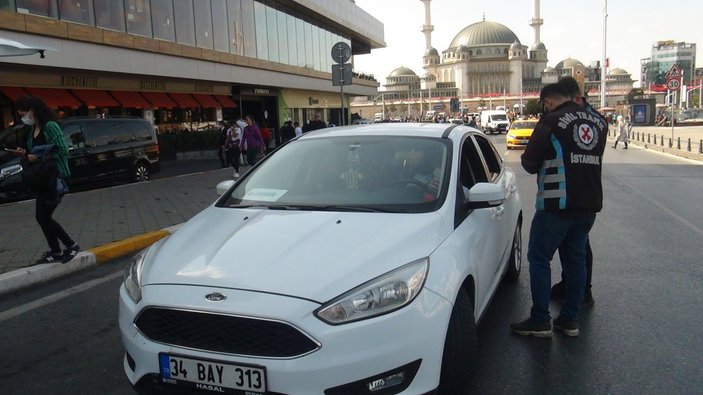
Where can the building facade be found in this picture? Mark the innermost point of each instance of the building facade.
(664, 55)
(183, 61)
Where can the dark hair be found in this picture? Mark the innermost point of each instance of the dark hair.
(42, 113)
(571, 86)
(296, 123)
(553, 90)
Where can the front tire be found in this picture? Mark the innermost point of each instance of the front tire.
(515, 260)
(460, 348)
(140, 172)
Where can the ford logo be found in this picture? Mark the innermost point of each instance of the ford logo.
(215, 297)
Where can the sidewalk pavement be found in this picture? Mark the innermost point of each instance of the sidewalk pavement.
(107, 223)
(646, 138)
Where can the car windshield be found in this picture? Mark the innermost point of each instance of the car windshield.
(499, 117)
(523, 125)
(351, 173)
(12, 138)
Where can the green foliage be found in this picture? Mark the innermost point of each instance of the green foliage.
(183, 141)
(532, 107)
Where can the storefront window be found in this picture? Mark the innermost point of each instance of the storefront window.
(316, 47)
(292, 41)
(76, 11)
(262, 49)
(203, 23)
(185, 27)
(162, 19)
(282, 37)
(309, 60)
(220, 28)
(109, 14)
(248, 28)
(300, 41)
(7, 5)
(272, 32)
(37, 7)
(139, 17)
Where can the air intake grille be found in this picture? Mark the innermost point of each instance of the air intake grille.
(223, 333)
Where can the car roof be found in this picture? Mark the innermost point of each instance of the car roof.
(389, 129)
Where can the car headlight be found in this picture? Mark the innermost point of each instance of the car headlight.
(10, 171)
(511, 136)
(133, 276)
(386, 293)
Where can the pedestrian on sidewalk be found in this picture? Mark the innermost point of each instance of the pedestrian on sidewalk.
(251, 138)
(52, 170)
(622, 132)
(221, 138)
(232, 151)
(566, 152)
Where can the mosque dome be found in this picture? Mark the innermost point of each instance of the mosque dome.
(463, 49)
(568, 63)
(539, 45)
(484, 33)
(432, 52)
(402, 72)
(549, 70)
(515, 46)
(618, 71)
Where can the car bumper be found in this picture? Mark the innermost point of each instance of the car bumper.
(346, 353)
(517, 141)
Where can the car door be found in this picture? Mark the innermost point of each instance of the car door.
(78, 156)
(478, 228)
(109, 148)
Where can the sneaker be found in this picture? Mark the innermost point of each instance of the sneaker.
(49, 257)
(569, 328)
(530, 327)
(70, 252)
(236, 175)
(557, 291)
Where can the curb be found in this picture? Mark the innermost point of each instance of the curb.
(32, 275)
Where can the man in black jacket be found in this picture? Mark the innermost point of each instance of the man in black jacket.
(565, 151)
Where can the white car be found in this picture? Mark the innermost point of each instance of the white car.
(354, 260)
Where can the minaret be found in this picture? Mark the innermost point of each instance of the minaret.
(536, 22)
(427, 28)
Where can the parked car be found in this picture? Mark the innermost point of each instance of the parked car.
(519, 133)
(100, 149)
(494, 121)
(353, 260)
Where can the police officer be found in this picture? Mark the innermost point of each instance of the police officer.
(566, 152)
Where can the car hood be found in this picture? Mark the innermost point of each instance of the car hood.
(521, 132)
(307, 254)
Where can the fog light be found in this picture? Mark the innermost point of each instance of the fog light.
(386, 382)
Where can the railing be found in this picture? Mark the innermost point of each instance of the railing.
(660, 140)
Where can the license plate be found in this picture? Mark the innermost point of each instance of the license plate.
(211, 375)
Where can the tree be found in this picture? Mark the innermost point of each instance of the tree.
(533, 107)
(392, 108)
(482, 103)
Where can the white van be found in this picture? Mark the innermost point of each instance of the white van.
(494, 121)
(378, 117)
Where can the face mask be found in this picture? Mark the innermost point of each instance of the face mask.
(27, 120)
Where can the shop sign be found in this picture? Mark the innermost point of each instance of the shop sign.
(207, 88)
(152, 86)
(260, 91)
(312, 100)
(79, 82)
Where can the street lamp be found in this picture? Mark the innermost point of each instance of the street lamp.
(13, 48)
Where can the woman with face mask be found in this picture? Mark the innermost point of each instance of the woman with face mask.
(45, 132)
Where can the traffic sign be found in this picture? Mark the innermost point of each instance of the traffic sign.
(674, 72)
(341, 52)
(673, 84)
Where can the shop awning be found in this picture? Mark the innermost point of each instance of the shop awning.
(94, 98)
(225, 101)
(207, 101)
(130, 99)
(158, 99)
(184, 100)
(55, 97)
(13, 92)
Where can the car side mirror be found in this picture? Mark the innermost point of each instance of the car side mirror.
(223, 187)
(485, 195)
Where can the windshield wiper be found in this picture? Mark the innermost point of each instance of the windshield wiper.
(330, 207)
(362, 209)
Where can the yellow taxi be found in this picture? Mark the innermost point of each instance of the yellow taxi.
(519, 132)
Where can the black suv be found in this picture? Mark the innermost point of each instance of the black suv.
(100, 150)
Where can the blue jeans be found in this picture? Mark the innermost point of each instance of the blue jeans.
(549, 232)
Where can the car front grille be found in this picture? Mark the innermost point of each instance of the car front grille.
(223, 333)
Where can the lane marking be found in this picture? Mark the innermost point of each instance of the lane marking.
(27, 307)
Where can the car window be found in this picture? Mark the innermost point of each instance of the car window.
(472, 168)
(73, 136)
(400, 174)
(490, 155)
(108, 132)
(523, 125)
(139, 129)
(499, 117)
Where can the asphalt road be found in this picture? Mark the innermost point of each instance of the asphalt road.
(641, 337)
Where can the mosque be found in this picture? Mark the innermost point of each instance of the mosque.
(487, 60)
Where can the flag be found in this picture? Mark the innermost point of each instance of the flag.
(607, 63)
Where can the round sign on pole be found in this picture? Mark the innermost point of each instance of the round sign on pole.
(673, 84)
(341, 52)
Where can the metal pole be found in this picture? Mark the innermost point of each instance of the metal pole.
(602, 71)
(671, 102)
(341, 92)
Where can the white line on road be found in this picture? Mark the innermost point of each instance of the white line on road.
(6, 315)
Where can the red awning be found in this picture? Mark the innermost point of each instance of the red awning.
(184, 100)
(130, 99)
(93, 98)
(225, 101)
(158, 99)
(207, 101)
(55, 97)
(13, 92)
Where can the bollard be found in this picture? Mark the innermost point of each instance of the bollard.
(671, 143)
(700, 147)
(655, 139)
(662, 141)
(678, 143)
(648, 138)
(638, 136)
(689, 145)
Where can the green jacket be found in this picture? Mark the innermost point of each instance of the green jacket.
(53, 134)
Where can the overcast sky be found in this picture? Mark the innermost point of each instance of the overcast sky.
(633, 26)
